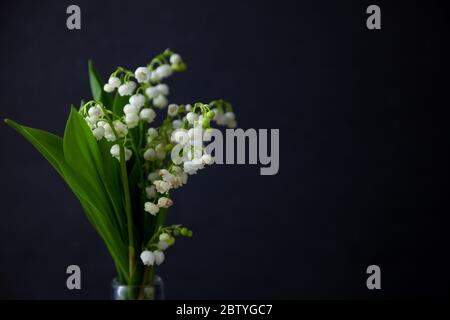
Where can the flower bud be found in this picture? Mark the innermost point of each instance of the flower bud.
(179, 67)
(164, 237)
(205, 123)
(175, 59)
(168, 147)
(210, 115)
(184, 231)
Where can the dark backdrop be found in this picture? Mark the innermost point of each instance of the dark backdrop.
(363, 159)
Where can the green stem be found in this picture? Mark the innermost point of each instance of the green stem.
(128, 210)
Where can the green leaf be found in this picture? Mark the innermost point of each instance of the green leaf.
(119, 103)
(98, 94)
(49, 145)
(52, 148)
(82, 153)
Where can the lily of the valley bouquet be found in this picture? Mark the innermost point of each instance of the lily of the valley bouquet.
(124, 153)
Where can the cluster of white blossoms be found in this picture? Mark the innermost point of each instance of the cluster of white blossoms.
(154, 254)
(167, 154)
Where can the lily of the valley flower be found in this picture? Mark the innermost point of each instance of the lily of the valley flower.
(163, 71)
(162, 186)
(184, 125)
(98, 133)
(137, 100)
(115, 152)
(141, 74)
(112, 84)
(151, 208)
(159, 257)
(172, 110)
(163, 245)
(164, 237)
(127, 89)
(160, 101)
(147, 114)
(148, 258)
(132, 120)
(164, 202)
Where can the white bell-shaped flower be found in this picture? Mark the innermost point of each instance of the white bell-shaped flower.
(164, 202)
(163, 71)
(132, 120)
(121, 129)
(147, 114)
(137, 100)
(109, 133)
(163, 89)
(141, 74)
(148, 258)
(127, 89)
(191, 117)
(99, 133)
(172, 110)
(159, 257)
(130, 108)
(108, 88)
(114, 81)
(151, 208)
(152, 92)
(160, 101)
(162, 186)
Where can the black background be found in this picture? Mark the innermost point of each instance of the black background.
(363, 146)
